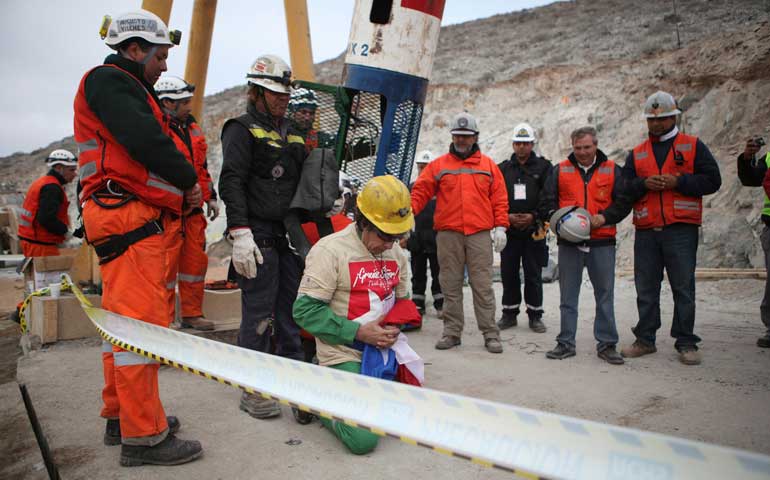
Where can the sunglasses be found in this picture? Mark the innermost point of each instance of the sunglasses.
(388, 238)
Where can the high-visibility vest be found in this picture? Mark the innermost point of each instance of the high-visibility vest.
(29, 227)
(103, 159)
(766, 205)
(594, 195)
(657, 209)
(195, 153)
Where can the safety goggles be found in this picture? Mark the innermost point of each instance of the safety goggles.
(388, 238)
(284, 80)
(188, 88)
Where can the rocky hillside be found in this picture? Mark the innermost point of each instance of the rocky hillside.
(571, 64)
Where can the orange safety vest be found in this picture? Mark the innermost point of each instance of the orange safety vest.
(196, 157)
(29, 227)
(594, 196)
(102, 159)
(657, 209)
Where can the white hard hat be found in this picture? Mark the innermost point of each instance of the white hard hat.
(572, 224)
(270, 72)
(173, 88)
(660, 104)
(464, 124)
(423, 157)
(139, 24)
(303, 98)
(61, 157)
(523, 132)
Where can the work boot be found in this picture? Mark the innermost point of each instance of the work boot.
(764, 342)
(302, 417)
(536, 324)
(259, 407)
(560, 352)
(611, 356)
(689, 356)
(493, 345)
(198, 323)
(447, 342)
(171, 451)
(637, 349)
(507, 320)
(112, 432)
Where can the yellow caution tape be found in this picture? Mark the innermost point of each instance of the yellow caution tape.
(526, 442)
(37, 293)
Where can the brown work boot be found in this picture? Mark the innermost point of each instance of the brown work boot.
(258, 407)
(447, 342)
(689, 356)
(493, 345)
(637, 349)
(198, 323)
(171, 451)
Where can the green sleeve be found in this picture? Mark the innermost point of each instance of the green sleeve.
(318, 319)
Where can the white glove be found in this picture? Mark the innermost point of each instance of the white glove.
(337, 207)
(499, 239)
(246, 254)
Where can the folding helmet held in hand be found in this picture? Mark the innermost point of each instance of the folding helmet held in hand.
(572, 224)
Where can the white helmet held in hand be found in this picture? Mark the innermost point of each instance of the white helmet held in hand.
(61, 157)
(139, 24)
(660, 104)
(270, 72)
(173, 88)
(423, 158)
(523, 132)
(572, 224)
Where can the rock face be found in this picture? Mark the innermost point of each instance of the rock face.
(571, 64)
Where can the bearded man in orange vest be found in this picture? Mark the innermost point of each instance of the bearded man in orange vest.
(175, 96)
(666, 177)
(43, 222)
(135, 186)
(588, 180)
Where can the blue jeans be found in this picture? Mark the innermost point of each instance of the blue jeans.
(271, 295)
(674, 248)
(600, 263)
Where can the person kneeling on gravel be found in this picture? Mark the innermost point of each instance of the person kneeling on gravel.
(354, 280)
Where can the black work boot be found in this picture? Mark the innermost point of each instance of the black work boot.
(508, 320)
(302, 417)
(536, 324)
(112, 432)
(171, 451)
(764, 342)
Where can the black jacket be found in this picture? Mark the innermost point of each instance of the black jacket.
(613, 214)
(752, 172)
(533, 174)
(259, 175)
(121, 105)
(49, 202)
(423, 239)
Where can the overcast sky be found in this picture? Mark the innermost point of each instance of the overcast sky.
(47, 46)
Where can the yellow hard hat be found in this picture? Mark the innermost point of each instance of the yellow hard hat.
(385, 201)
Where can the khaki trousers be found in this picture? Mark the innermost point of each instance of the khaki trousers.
(455, 252)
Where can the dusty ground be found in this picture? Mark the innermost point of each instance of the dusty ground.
(723, 401)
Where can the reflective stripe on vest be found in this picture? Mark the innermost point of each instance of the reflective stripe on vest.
(657, 209)
(87, 146)
(273, 135)
(594, 196)
(460, 171)
(87, 169)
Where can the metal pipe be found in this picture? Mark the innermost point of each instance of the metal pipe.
(298, 30)
(198, 50)
(45, 451)
(161, 8)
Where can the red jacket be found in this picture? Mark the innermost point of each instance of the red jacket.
(595, 196)
(470, 194)
(29, 227)
(103, 158)
(657, 209)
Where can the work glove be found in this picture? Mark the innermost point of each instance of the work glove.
(499, 239)
(337, 207)
(246, 254)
